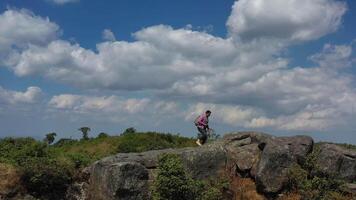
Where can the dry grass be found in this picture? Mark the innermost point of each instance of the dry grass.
(9, 178)
(290, 196)
(245, 189)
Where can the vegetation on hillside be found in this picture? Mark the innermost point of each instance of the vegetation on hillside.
(47, 170)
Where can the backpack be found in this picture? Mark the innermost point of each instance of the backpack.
(196, 121)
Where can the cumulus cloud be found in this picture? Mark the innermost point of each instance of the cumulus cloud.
(109, 104)
(228, 114)
(21, 28)
(62, 2)
(31, 95)
(245, 78)
(334, 56)
(290, 20)
(108, 35)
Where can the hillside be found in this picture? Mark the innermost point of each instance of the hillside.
(67, 169)
(45, 171)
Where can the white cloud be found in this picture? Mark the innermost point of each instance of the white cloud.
(247, 83)
(62, 2)
(110, 105)
(228, 114)
(31, 95)
(290, 20)
(19, 29)
(108, 35)
(334, 56)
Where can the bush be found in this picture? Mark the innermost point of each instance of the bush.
(80, 160)
(311, 183)
(42, 175)
(65, 141)
(45, 178)
(103, 135)
(174, 183)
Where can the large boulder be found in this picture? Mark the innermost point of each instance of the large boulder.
(128, 175)
(243, 151)
(277, 157)
(336, 160)
(122, 180)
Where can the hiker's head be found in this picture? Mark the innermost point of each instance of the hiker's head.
(208, 113)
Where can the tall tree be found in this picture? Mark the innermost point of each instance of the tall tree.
(130, 130)
(50, 137)
(85, 132)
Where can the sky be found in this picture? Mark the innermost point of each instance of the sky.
(283, 67)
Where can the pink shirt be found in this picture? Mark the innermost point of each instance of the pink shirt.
(203, 121)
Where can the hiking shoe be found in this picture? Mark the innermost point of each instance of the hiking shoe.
(198, 142)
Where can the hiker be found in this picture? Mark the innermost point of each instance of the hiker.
(201, 122)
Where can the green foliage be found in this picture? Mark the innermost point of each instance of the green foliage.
(103, 135)
(139, 142)
(174, 183)
(213, 189)
(42, 175)
(50, 138)
(129, 130)
(348, 146)
(46, 178)
(85, 132)
(311, 183)
(64, 142)
(79, 160)
(47, 170)
(17, 151)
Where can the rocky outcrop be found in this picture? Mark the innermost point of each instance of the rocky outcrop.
(128, 175)
(337, 161)
(277, 158)
(262, 157)
(121, 180)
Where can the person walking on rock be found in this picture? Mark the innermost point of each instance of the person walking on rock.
(202, 123)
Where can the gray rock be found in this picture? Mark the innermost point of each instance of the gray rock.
(243, 158)
(336, 160)
(277, 157)
(128, 175)
(77, 191)
(256, 137)
(243, 151)
(122, 180)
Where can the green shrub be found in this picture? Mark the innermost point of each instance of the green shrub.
(80, 160)
(103, 135)
(174, 183)
(42, 174)
(311, 183)
(45, 178)
(65, 141)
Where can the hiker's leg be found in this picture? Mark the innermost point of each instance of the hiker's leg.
(203, 135)
(204, 138)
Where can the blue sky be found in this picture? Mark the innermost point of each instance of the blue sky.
(277, 66)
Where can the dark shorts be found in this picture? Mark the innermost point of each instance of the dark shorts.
(202, 135)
